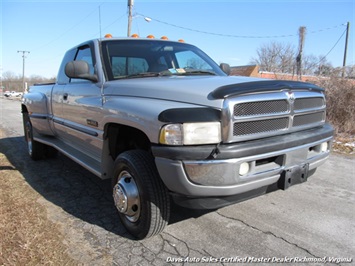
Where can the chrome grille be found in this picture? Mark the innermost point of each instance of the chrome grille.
(258, 108)
(255, 127)
(261, 115)
(308, 103)
(301, 120)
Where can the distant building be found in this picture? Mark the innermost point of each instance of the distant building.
(248, 70)
(253, 71)
(286, 76)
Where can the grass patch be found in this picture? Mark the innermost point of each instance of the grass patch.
(27, 236)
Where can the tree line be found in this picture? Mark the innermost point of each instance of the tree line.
(12, 82)
(278, 57)
(275, 57)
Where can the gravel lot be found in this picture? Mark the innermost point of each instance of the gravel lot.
(72, 216)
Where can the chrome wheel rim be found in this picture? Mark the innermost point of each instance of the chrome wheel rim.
(29, 138)
(126, 196)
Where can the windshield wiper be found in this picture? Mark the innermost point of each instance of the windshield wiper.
(197, 72)
(140, 75)
(169, 72)
(145, 75)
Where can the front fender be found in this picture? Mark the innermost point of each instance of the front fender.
(143, 114)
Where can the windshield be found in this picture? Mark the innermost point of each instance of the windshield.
(149, 58)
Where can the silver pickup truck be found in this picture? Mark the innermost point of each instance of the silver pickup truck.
(165, 122)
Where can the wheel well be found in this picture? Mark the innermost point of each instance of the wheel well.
(123, 138)
(23, 109)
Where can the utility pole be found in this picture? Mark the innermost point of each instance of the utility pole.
(302, 32)
(346, 47)
(23, 69)
(1, 87)
(130, 6)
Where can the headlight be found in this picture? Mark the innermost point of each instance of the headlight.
(191, 133)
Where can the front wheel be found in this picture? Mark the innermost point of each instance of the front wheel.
(140, 196)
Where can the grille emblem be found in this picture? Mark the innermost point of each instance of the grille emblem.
(291, 96)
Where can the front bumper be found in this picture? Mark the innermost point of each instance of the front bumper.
(210, 171)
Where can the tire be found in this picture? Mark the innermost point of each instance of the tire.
(140, 196)
(35, 149)
(50, 152)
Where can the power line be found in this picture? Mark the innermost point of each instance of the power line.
(70, 29)
(326, 29)
(237, 36)
(56, 56)
(332, 47)
(94, 35)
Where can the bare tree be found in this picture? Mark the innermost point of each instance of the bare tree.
(350, 71)
(310, 64)
(276, 57)
(324, 68)
(279, 57)
(13, 82)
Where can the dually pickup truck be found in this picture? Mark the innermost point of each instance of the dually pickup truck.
(164, 122)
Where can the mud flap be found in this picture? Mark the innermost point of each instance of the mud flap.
(293, 176)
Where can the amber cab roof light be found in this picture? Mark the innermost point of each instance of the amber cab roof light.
(150, 36)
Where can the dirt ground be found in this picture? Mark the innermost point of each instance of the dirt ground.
(27, 236)
(344, 144)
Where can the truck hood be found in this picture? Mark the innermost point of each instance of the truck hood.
(201, 90)
(187, 89)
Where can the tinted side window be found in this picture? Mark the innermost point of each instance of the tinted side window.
(84, 54)
(69, 56)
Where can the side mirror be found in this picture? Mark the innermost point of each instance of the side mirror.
(226, 68)
(79, 70)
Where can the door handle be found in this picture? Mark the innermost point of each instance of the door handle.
(65, 96)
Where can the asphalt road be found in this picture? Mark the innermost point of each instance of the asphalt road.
(311, 221)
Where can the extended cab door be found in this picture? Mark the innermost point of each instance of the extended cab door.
(82, 103)
(57, 96)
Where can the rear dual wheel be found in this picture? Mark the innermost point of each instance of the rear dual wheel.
(140, 196)
(35, 149)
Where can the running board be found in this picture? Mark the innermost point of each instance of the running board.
(79, 157)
